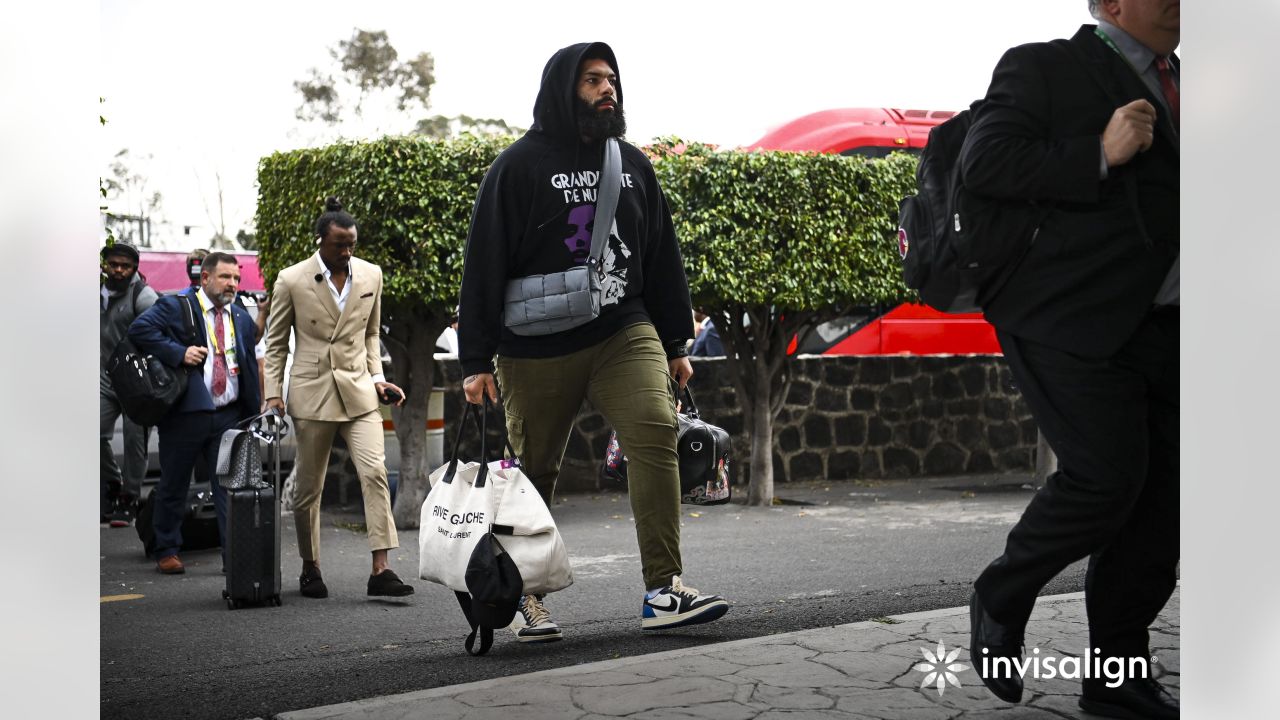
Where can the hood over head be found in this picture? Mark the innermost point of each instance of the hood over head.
(553, 111)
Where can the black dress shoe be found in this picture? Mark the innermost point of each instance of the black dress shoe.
(311, 585)
(1138, 698)
(999, 641)
(388, 584)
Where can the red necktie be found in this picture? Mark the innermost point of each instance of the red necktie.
(1168, 87)
(220, 357)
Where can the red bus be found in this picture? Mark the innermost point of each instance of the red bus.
(909, 328)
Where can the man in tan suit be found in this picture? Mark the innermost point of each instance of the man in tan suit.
(332, 302)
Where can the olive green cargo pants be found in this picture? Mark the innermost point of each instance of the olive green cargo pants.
(628, 380)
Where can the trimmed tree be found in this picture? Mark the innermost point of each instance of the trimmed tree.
(412, 199)
(775, 243)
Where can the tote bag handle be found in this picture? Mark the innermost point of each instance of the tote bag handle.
(480, 416)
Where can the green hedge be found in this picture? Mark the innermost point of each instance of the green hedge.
(798, 230)
(411, 198)
(802, 231)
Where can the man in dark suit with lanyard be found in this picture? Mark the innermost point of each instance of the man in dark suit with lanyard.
(222, 390)
(1088, 128)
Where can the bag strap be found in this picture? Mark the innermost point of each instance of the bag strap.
(690, 409)
(486, 634)
(266, 426)
(480, 416)
(189, 318)
(607, 191)
(133, 299)
(506, 439)
(467, 412)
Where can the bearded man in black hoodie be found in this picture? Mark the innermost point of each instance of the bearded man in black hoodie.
(534, 215)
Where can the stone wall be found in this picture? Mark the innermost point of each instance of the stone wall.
(844, 417)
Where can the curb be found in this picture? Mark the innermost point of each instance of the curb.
(357, 706)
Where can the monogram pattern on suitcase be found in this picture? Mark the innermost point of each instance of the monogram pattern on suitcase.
(253, 513)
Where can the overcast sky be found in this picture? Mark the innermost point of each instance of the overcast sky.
(206, 89)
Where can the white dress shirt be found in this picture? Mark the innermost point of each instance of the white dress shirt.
(340, 297)
(233, 366)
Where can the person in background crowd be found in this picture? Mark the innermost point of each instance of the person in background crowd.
(707, 344)
(124, 296)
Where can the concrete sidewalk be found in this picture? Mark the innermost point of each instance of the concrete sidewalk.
(860, 670)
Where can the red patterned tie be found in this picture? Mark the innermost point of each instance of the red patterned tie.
(220, 357)
(1168, 87)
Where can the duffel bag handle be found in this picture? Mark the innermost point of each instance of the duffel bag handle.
(690, 408)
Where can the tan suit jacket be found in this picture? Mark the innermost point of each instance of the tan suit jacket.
(335, 354)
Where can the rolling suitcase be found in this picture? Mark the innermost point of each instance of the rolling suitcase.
(253, 511)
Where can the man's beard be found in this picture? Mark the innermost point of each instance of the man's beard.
(599, 125)
(221, 299)
(117, 284)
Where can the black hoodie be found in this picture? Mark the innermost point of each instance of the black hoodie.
(533, 215)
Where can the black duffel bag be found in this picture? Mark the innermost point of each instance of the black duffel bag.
(199, 520)
(146, 387)
(703, 451)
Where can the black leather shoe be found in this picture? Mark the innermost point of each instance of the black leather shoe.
(999, 641)
(388, 584)
(1138, 698)
(311, 585)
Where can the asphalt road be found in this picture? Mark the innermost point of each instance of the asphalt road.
(835, 553)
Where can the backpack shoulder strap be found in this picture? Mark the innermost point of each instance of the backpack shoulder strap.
(133, 299)
(486, 634)
(189, 317)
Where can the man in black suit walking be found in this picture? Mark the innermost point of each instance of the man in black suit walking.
(1088, 128)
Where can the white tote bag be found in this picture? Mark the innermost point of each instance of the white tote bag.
(469, 498)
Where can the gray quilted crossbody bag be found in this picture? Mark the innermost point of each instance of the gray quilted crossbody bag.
(552, 303)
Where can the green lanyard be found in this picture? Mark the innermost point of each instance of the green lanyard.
(1112, 44)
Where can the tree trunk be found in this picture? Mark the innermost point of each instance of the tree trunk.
(755, 341)
(760, 491)
(412, 359)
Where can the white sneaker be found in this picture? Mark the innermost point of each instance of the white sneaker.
(677, 605)
(533, 623)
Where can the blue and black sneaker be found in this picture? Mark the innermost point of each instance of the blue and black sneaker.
(677, 605)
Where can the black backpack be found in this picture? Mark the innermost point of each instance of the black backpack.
(958, 248)
(145, 386)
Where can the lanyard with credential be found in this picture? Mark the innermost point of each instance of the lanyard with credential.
(214, 340)
(1112, 44)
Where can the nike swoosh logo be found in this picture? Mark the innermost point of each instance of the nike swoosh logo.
(669, 608)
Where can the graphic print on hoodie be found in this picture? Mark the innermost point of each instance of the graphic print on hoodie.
(581, 221)
(534, 214)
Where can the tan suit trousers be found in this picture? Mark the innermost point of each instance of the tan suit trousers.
(364, 438)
